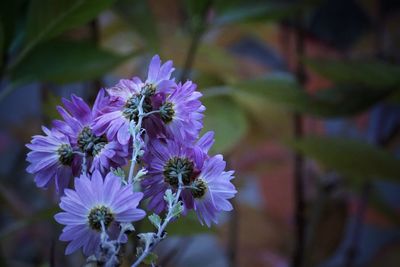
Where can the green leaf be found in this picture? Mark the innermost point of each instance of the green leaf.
(177, 209)
(140, 17)
(48, 18)
(64, 62)
(187, 225)
(229, 12)
(227, 119)
(256, 12)
(214, 60)
(184, 225)
(169, 196)
(372, 74)
(151, 258)
(155, 220)
(332, 102)
(11, 16)
(352, 158)
(268, 119)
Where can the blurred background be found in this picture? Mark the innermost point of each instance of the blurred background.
(303, 96)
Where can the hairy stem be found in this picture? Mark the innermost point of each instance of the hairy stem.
(161, 229)
(136, 132)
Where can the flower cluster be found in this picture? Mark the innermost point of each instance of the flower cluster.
(155, 124)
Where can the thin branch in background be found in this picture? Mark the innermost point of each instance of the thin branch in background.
(298, 174)
(96, 84)
(197, 34)
(352, 250)
(194, 44)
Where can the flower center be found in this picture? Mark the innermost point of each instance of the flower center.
(65, 154)
(148, 89)
(178, 166)
(131, 110)
(199, 188)
(90, 143)
(98, 215)
(167, 112)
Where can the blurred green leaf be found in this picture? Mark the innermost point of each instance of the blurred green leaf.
(271, 118)
(332, 102)
(155, 220)
(246, 12)
(11, 14)
(227, 119)
(197, 15)
(48, 18)
(184, 225)
(212, 59)
(151, 258)
(345, 100)
(140, 18)
(352, 158)
(63, 62)
(255, 11)
(187, 225)
(373, 74)
(195, 7)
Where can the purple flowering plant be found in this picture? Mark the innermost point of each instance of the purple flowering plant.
(153, 124)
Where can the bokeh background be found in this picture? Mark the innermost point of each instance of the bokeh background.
(303, 96)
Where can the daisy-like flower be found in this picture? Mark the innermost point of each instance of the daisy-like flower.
(165, 160)
(51, 159)
(96, 205)
(158, 77)
(126, 97)
(182, 112)
(211, 190)
(78, 126)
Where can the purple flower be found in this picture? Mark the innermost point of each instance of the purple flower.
(93, 204)
(212, 189)
(159, 75)
(115, 120)
(126, 97)
(165, 160)
(51, 158)
(182, 112)
(207, 186)
(102, 152)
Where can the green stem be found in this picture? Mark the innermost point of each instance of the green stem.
(161, 229)
(135, 135)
